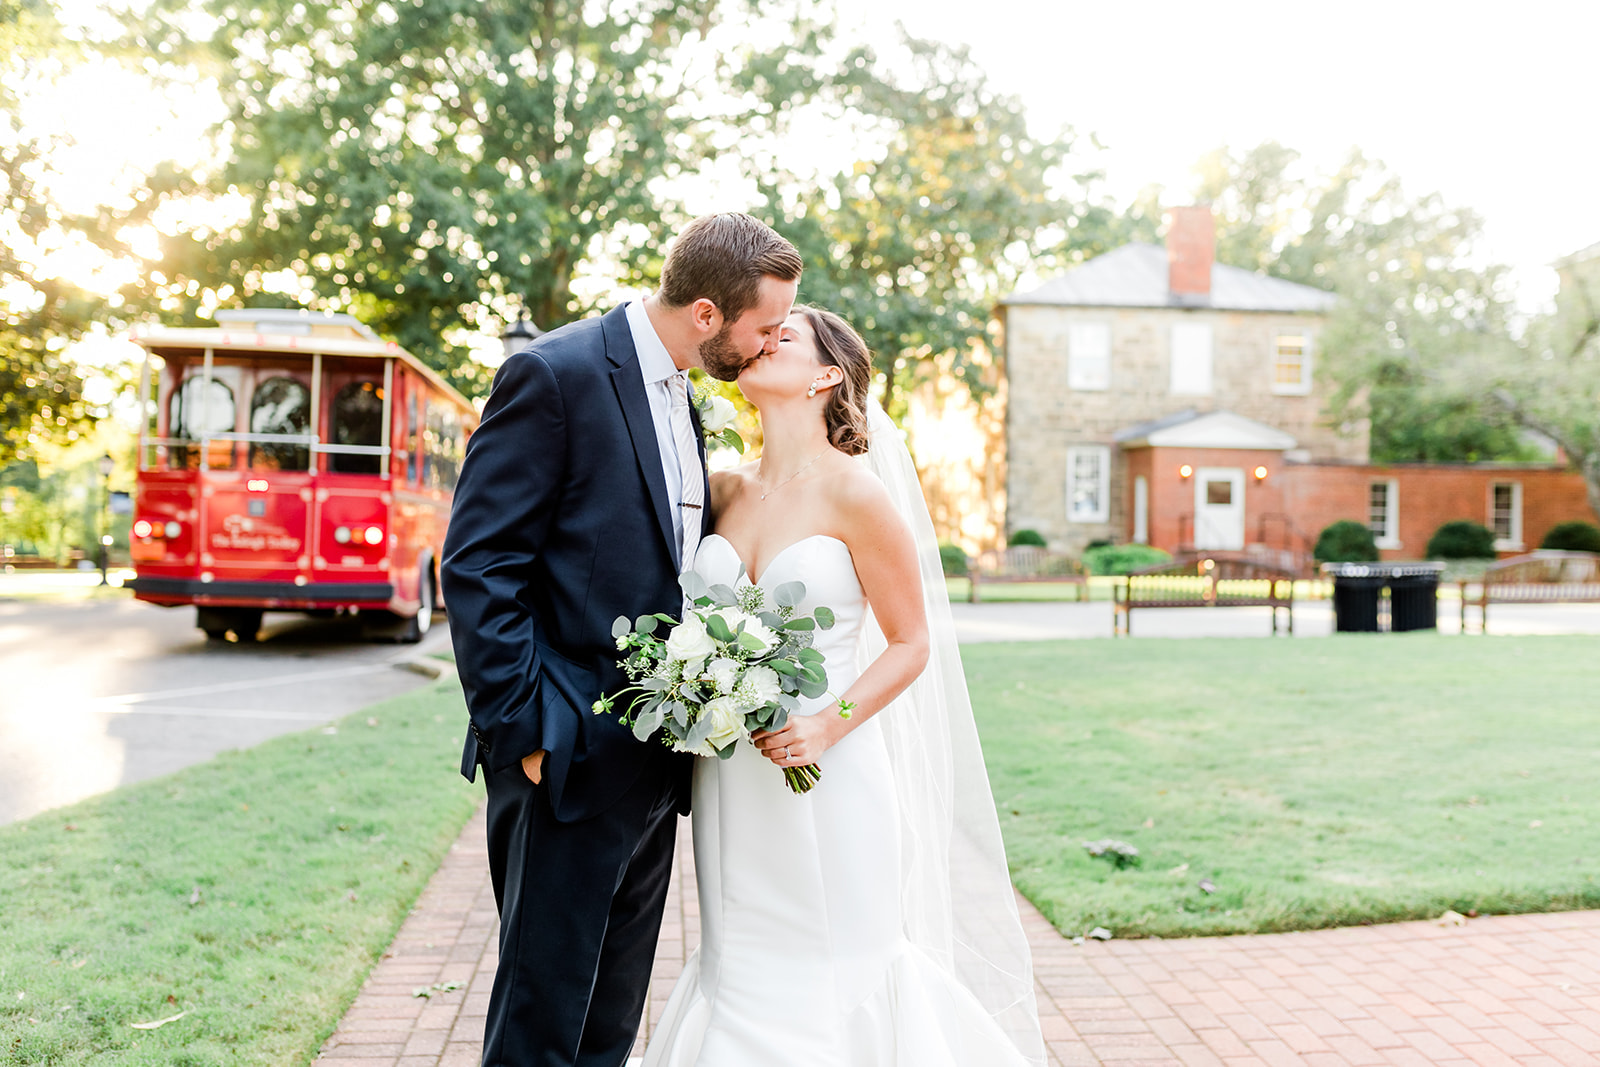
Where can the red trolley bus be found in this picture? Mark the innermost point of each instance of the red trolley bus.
(292, 461)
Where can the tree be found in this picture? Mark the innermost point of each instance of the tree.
(1415, 305)
(435, 165)
(41, 394)
(915, 245)
(1549, 380)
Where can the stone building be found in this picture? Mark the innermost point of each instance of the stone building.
(1157, 396)
(1149, 347)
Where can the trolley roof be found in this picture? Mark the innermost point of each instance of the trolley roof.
(292, 332)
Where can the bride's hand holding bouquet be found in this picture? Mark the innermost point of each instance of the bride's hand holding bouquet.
(733, 669)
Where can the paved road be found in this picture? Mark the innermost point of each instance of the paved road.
(98, 693)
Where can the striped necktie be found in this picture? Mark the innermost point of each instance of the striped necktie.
(693, 495)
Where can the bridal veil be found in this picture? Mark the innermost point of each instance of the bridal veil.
(956, 892)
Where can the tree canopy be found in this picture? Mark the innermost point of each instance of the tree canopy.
(41, 395)
(1416, 304)
(436, 166)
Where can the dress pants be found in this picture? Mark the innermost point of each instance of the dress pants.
(580, 913)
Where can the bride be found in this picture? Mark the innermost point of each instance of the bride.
(870, 922)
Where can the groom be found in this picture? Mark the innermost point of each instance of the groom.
(582, 495)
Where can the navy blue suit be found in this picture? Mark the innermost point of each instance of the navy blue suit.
(560, 524)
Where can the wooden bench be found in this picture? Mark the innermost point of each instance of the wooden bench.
(1544, 577)
(1204, 582)
(1027, 563)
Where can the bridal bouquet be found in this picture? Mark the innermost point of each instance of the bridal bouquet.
(733, 666)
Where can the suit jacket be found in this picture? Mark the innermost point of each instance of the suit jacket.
(560, 524)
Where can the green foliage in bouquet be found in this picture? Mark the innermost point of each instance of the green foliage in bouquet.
(734, 666)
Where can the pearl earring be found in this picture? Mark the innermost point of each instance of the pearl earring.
(812, 391)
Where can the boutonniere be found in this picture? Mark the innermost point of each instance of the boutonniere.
(716, 419)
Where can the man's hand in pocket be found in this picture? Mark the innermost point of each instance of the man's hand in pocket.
(533, 766)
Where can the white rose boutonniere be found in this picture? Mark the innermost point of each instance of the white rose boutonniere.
(717, 414)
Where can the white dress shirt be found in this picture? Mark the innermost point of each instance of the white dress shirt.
(657, 368)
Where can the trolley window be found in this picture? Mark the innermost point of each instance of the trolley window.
(280, 406)
(357, 420)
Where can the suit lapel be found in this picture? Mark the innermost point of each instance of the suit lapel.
(629, 384)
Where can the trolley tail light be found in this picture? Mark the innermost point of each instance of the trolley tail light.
(359, 535)
(151, 528)
(143, 528)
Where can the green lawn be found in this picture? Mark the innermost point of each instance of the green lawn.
(1314, 783)
(252, 892)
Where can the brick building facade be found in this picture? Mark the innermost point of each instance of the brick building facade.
(1157, 396)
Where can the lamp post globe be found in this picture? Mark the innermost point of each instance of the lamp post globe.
(519, 335)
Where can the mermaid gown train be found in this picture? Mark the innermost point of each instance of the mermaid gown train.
(802, 960)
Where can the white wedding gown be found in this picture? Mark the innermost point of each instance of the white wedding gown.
(803, 961)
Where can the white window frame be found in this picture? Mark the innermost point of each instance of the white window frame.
(1102, 489)
(1089, 357)
(1389, 536)
(1513, 543)
(1195, 382)
(1303, 387)
(1141, 510)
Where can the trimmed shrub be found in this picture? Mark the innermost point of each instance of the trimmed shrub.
(953, 560)
(1123, 559)
(1027, 537)
(1577, 536)
(1461, 539)
(1346, 541)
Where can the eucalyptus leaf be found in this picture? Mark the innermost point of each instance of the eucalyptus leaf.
(718, 628)
(801, 623)
(810, 655)
(789, 594)
(788, 703)
(813, 689)
(726, 753)
(655, 685)
(694, 587)
(645, 624)
(750, 642)
(647, 724)
(622, 627)
(699, 732)
(724, 595)
(679, 712)
(779, 720)
(783, 666)
(824, 617)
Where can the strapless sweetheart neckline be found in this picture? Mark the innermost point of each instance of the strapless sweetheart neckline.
(744, 568)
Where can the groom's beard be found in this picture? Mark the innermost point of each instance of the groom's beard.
(720, 358)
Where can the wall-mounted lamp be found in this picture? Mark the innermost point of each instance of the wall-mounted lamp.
(1261, 474)
(1186, 472)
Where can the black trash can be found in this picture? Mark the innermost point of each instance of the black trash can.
(1384, 597)
(1356, 592)
(1414, 597)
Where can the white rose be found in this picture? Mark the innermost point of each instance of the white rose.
(727, 722)
(758, 629)
(689, 640)
(724, 673)
(762, 685)
(718, 414)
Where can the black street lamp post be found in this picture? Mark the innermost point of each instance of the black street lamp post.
(518, 335)
(106, 465)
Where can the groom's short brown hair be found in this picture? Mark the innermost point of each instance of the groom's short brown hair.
(722, 258)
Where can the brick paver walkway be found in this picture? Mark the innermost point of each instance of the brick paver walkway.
(1511, 990)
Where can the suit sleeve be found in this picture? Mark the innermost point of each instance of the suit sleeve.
(509, 488)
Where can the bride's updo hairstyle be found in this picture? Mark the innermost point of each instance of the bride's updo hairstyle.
(838, 345)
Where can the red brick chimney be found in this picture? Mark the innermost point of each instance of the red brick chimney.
(1191, 248)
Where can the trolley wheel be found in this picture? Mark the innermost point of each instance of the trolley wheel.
(217, 623)
(386, 626)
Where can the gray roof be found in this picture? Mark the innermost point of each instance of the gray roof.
(1135, 275)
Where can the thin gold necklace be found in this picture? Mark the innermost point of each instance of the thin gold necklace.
(791, 477)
